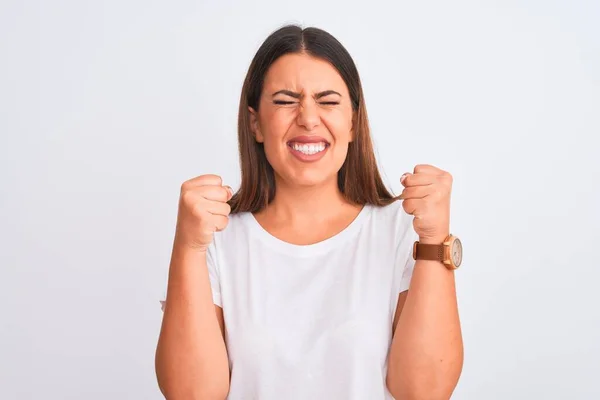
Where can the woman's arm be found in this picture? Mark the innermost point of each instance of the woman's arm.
(191, 357)
(426, 354)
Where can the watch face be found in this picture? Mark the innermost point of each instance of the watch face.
(457, 252)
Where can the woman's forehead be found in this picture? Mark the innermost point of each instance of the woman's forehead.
(302, 72)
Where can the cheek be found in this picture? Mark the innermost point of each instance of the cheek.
(339, 127)
(274, 127)
(277, 122)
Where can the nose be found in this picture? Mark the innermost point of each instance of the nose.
(308, 115)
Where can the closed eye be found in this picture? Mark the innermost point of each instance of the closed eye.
(284, 103)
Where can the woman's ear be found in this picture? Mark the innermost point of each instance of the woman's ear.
(255, 126)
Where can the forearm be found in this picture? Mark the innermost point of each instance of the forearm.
(191, 357)
(426, 354)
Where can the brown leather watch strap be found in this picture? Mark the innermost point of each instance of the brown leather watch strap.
(429, 252)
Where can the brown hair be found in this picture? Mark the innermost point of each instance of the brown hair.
(358, 179)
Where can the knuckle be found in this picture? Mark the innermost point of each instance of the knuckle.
(222, 223)
(184, 187)
(406, 205)
(223, 192)
(212, 177)
(187, 197)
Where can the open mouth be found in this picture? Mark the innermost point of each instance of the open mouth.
(308, 149)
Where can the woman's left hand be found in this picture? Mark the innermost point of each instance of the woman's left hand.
(426, 195)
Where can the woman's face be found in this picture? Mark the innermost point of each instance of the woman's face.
(304, 120)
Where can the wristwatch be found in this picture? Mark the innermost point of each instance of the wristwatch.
(449, 252)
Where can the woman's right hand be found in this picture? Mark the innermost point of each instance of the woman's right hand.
(203, 209)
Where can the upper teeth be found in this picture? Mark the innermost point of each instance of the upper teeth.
(312, 148)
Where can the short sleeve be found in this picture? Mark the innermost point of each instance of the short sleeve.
(405, 257)
(213, 274)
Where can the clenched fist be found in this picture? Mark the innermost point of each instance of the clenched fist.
(426, 196)
(203, 209)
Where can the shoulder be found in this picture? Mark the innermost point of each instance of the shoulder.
(234, 236)
(235, 231)
(392, 219)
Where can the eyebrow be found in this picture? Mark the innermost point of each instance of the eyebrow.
(298, 95)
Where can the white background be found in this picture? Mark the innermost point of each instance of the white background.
(107, 107)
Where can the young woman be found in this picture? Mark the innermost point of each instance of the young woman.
(303, 284)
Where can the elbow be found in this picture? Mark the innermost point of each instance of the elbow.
(432, 386)
(430, 381)
(176, 386)
(419, 394)
(202, 392)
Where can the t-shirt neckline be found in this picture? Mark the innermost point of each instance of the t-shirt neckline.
(308, 250)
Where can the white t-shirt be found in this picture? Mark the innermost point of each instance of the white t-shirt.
(315, 321)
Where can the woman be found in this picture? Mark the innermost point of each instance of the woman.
(297, 286)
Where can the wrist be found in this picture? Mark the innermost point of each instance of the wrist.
(184, 244)
(181, 247)
(438, 239)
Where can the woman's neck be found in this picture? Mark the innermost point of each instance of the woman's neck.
(303, 206)
(307, 215)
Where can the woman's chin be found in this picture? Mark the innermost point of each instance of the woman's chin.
(312, 179)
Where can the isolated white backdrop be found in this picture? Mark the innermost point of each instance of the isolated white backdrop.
(107, 107)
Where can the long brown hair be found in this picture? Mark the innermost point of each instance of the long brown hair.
(358, 179)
